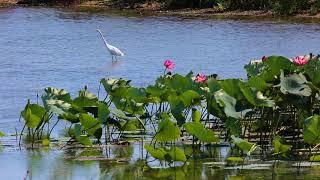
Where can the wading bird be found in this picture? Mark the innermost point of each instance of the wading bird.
(113, 50)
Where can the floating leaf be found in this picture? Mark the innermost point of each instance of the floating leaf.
(199, 131)
(234, 160)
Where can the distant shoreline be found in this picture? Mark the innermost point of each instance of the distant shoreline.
(155, 10)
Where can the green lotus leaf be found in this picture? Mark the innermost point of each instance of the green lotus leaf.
(71, 117)
(234, 160)
(274, 66)
(190, 97)
(177, 106)
(137, 94)
(129, 106)
(231, 87)
(57, 107)
(229, 104)
(167, 130)
(199, 131)
(91, 125)
(294, 84)
(279, 148)
(55, 93)
(85, 140)
(103, 112)
(315, 158)
(119, 114)
(254, 69)
(243, 144)
(157, 153)
(175, 154)
(233, 125)
(312, 69)
(2, 134)
(213, 85)
(311, 130)
(111, 85)
(196, 115)
(255, 97)
(34, 115)
(258, 83)
(179, 83)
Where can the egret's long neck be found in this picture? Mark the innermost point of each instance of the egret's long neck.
(105, 41)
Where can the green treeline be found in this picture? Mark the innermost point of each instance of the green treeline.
(280, 7)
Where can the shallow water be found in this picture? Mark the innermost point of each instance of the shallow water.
(54, 163)
(43, 47)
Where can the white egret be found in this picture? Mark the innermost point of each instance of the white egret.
(113, 50)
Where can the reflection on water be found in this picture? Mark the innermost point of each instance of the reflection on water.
(67, 164)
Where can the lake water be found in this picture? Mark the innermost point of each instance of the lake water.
(42, 47)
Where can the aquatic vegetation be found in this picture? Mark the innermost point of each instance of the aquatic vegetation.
(273, 113)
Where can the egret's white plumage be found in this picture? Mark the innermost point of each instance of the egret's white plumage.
(113, 50)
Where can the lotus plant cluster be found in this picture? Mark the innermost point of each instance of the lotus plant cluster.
(276, 109)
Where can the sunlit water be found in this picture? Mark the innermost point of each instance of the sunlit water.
(52, 47)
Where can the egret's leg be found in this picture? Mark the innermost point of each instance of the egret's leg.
(116, 58)
(112, 58)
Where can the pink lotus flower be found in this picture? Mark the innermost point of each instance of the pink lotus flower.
(168, 64)
(200, 78)
(264, 58)
(300, 60)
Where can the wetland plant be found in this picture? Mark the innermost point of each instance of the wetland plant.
(273, 113)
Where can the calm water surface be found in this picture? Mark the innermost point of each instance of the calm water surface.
(42, 47)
